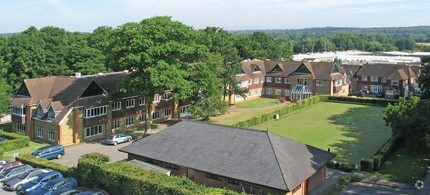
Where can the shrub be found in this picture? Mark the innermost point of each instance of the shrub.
(44, 163)
(15, 141)
(366, 165)
(357, 100)
(344, 166)
(124, 178)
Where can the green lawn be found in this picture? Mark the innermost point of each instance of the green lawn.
(258, 103)
(31, 148)
(404, 164)
(351, 131)
(423, 43)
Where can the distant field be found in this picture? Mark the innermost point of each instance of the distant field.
(423, 43)
(351, 131)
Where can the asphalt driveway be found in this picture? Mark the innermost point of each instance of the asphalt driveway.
(74, 152)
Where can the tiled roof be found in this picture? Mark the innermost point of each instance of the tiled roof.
(258, 157)
(398, 71)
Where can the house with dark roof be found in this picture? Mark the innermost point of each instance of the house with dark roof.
(71, 109)
(251, 161)
(294, 80)
(384, 80)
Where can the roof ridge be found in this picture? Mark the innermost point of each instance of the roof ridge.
(229, 126)
(277, 160)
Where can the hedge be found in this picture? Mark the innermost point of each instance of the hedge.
(125, 178)
(382, 155)
(281, 111)
(44, 163)
(344, 166)
(15, 141)
(256, 120)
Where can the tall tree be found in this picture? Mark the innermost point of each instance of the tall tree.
(5, 95)
(157, 51)
(424, 81)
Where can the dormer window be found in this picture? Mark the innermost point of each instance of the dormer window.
(18, 111)
(277, 69)
(257, 69)
(167, 96)
(51, 114)
(39, 112)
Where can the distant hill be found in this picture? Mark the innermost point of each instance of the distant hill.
(7, 34)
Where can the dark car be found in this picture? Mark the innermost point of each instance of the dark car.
(18, 182)
(84, 191)
(55, 186)
(10, 164)
(12, 173)
(49, 152)
(36, 182)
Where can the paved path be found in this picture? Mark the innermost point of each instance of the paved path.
(426, 189)
(378, 186)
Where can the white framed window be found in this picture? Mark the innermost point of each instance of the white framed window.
(168, 112)
(94, 130)
(338, 83)
(39, 112)
(389, 92)
(18, 111)
(269, 91)
(364, 87)
(96, 111)
(20, 129)
(256, 80)
(157, 97)
(278, 79)
(395, 82)
(363, 78)
(39, 132)
(376, 88)
(155, 115)
(51, 135)
(167, 96)
(320, 83)
(262, 91)
(115, 124)
(238, 97)
(373, 79)
(141, 101)
(130, 103)
(262, 80)
(268, 79)
(249, 81)
(287, 80)
(301, 81)
(116, 106)
(184, 111)
(129, 121)
(277, 92)
(383, 80)
(287, 93)
(51, 114)
(255, 92)
(142, 118)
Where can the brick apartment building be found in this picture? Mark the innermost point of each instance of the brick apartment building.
(71, 109)
(383, 80)
(245, 160)
(294, 80)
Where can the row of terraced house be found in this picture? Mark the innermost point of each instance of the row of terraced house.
(300, 80)
(72, 109)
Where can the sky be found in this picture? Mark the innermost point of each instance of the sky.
(87, 15)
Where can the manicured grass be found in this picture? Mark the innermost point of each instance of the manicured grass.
(351, 131)
(423, 43)
(404, 164)
(29, 149)
(258, 103)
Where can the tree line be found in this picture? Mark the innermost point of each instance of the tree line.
(340, 39)
(161, 54)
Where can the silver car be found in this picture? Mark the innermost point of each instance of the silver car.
(17, 183)
(117, 138)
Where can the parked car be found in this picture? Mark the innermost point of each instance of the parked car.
(55, 186)
(36, 182)
(49, 152)
(12, 173)
(84, 191)
(117, 138)
(18, 182)
(10, 164)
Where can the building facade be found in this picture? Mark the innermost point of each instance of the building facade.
(294, 80)
(68, 110)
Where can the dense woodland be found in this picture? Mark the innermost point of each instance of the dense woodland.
(164, 54)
